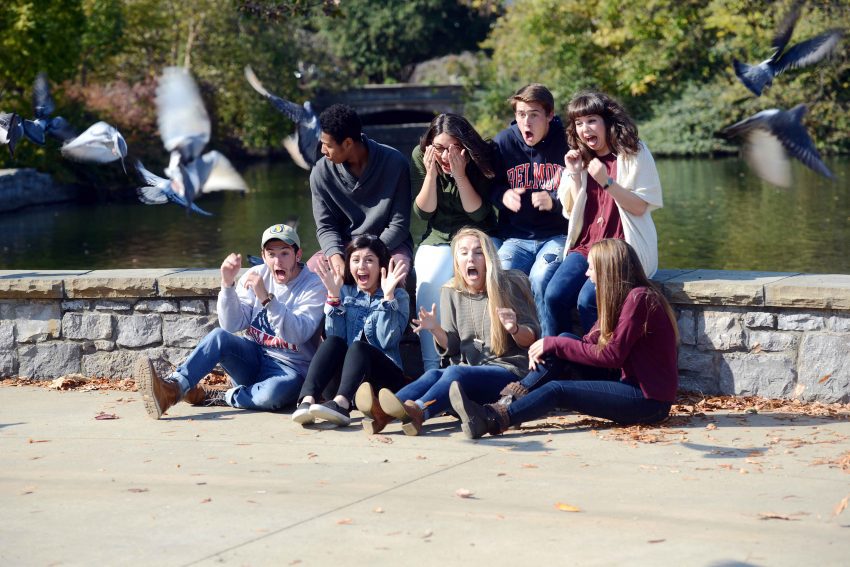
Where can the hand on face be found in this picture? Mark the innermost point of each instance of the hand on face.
(597, 170)
(329, 276)
(541, 200)
(511, 199)
(430, 160)
(427, 319)
(507, 317)
(535, 354)
(254, 282)
(458, 159)
(230, 268)
(391, 278)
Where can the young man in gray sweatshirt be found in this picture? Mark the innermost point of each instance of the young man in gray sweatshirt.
(279, 306)
(359, 187)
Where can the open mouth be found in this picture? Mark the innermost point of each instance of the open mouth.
(280, 274)
(362, 279)
(472, 273)
(528, 135)
(591, 141)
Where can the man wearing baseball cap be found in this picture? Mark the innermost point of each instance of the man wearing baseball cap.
(279, 306)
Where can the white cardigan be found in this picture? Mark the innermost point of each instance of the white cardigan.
(637, 174)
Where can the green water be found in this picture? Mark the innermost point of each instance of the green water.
(716, 215)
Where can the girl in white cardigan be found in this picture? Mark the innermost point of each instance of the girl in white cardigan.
(609, 189)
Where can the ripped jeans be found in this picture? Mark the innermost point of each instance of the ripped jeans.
(539, 259)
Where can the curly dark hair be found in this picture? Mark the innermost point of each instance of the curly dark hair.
(480, 151)
(622, 132)
(341, 122)
(371, 242)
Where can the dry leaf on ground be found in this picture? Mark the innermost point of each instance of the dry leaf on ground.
(841, 506)
(464, 493)
(345, 522)
(103, 415)
(567, 507)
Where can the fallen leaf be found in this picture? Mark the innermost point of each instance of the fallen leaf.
(656, 540)
(104, 415)
(427, 534)
(381, 439)
(345, 522)
(772, 516)
(378, 510)
(312, 455)
(39, 441)
(841, 506)
(205, 500)
(421, 457)
(567, 507)
(528, 466)
(463, 493)
(137, 490)
(825, 378)
(711, 427)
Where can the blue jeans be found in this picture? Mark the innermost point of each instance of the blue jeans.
(593, 391)
(262, 382)
(569, 287)
(537, 258)
(481, 384)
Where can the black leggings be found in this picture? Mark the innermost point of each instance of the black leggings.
(351, 365)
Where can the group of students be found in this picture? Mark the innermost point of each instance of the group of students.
(521, 231)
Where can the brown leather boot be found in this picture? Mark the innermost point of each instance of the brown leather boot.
(511, 393)
(408, 412)
(476, 420)
(367, 403)
(157, 394)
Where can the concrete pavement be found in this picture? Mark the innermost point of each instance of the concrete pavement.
(208, 486)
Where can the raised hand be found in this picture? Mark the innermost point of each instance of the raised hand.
(427, 319)
(535, 354)
(597, 170)
(511, 198)
(230, 268)
(338, 265)
(330, 277)
(541, 200)
(254, 282)
(507, 317)
(573, 161)
(458, 158)
(391, 276)
(430, 160)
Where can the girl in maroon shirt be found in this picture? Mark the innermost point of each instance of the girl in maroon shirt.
(636, 333)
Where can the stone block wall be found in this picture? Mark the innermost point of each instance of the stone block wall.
(777, 335)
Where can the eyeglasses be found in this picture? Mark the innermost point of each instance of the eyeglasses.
(440, 149)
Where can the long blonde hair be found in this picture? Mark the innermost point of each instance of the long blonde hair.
(619, 271)
(497, 283)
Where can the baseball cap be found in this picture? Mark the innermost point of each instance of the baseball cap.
(282, 232)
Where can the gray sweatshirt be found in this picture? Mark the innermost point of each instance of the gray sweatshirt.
(289, 327)
(377, 203)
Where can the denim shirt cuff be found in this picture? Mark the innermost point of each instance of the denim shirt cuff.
(390, 304)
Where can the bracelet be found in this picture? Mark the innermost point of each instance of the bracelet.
(574, 174)
(333, 298)
(333, 303)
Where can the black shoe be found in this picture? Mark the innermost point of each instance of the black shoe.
(473, 417)
(331, 411)
(302, 414)
(213, 398)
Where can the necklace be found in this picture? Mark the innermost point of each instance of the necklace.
(477, 339)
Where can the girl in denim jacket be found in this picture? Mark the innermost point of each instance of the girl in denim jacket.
(365, 318)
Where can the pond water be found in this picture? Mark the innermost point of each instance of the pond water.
(716, 215)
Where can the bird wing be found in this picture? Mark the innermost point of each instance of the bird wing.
(60, 128)
(295, 112)
(786, 29)
(34, 131)
(42, 102)
(292, 146)
(9, 123)
(151, 178)
(218, 174)
(810, 51)
(95, 145)
(790, 131)
(184, 124)
(765, 154)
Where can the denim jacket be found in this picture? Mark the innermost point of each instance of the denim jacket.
(383, 321)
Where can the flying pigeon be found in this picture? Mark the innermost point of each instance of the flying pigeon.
(11, 130)
(758, 77)
(769, 137)
(184, 126)
(43, 106)
(101, 143)
(303, 146)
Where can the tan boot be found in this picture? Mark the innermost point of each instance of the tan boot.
(157, 394)
(408, 412)
(367, 403)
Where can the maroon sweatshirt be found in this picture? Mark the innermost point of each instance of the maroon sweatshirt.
(643, 345)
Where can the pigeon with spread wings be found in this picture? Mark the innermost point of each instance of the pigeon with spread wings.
(757, 77)
(43, 106)
(184, 126)
(100, 143)
(769, 137)
(11, 130)
(303, 146)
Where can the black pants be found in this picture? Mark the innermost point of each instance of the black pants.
(351, 365)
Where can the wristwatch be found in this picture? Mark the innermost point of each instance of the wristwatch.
(268, 299)
(608, 183)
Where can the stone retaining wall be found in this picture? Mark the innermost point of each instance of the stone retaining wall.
(24, 187)
(778, 335)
